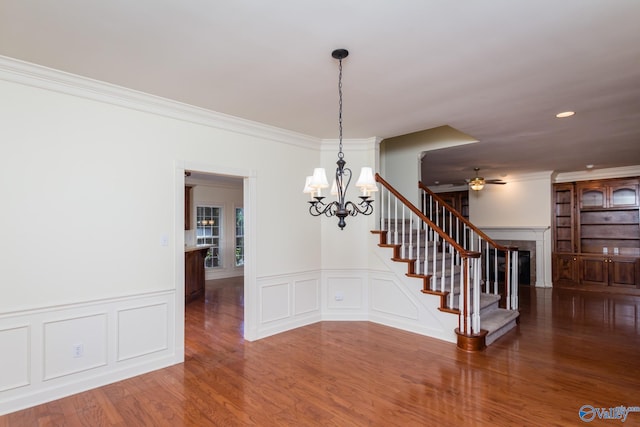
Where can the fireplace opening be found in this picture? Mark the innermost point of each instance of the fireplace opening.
(524, 267)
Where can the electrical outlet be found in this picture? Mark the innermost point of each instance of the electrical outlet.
(78, 350)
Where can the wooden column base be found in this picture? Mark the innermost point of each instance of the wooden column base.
(471, 342)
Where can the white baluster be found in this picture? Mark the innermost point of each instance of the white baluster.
(404, 234)
(476, 295)
(419, 265)
(411, 234)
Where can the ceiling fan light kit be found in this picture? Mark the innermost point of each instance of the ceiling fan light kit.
(477, 183)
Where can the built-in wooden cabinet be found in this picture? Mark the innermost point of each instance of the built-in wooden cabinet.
(596, 233)
(563, 218)
(565, 269)
(608, 195)
(609, 270)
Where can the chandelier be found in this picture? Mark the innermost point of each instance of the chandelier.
(314, 184)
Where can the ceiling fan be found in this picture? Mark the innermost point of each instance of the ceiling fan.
(477, 183)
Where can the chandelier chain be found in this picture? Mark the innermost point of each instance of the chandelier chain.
(340, 153)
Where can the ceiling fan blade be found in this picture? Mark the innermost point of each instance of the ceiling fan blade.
(494, 181)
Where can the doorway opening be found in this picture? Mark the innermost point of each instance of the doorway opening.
(232, 191)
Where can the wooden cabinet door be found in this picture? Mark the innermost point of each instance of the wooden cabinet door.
(594, 270)
(624, 271)
(191, 274)
(565, 269)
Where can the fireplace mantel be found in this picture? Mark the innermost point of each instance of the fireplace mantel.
(541, 235)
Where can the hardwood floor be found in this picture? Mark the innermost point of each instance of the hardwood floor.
(571, 349)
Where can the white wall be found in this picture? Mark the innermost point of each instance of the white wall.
(91, 184)
(401, 156)
(523, 201)
(89, 187)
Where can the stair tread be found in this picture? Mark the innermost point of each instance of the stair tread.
(496, 319)
(486, 300)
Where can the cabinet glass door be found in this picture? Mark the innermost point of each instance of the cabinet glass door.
(623, 197)
(592, 198)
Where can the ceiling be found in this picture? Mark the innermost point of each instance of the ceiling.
(497, 70)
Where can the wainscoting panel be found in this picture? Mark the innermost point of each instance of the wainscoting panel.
(345, 292)
(388, 298)
(306, 296)
(52, 352)
(74, 345)
(396, 300)
(142, 330)
(288, 302)
(275, 302)
(15, 357)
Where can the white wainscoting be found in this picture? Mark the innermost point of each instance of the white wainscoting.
(287, 302)
(387, 298)
(396, 301)
(15, 357)
(382, 296)
(86, 335)
(345, 295)
(53, 352)
(142, 330)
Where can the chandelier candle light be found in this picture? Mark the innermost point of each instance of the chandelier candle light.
(314, 184)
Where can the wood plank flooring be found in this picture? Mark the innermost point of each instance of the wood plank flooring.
(571, 349)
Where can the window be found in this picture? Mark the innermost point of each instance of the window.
(239, 237)
(208, 221)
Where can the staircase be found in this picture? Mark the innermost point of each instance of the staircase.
(450, 258)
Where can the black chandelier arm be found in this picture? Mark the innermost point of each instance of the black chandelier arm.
(364, 208)
(318, 208)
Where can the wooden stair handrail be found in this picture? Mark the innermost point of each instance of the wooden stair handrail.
(464, 253)
(465, 221)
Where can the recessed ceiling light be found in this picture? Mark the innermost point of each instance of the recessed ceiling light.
(589, 166)
(565, 114)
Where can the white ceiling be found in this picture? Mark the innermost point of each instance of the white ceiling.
(498, 70)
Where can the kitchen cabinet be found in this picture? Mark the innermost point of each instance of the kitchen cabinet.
(194, 272)
(188, 197)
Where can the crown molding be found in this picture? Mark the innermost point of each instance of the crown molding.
(25, 73)
(532, 176)
(621, 172)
